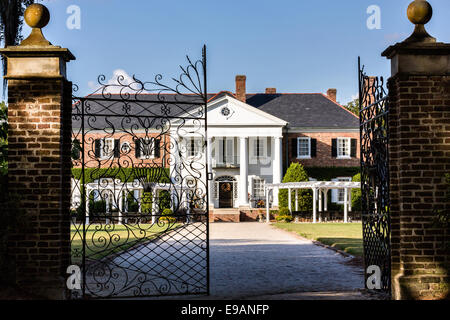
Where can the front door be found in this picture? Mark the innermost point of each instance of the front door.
(226, 194)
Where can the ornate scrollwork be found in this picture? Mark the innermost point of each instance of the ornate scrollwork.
(139, 199)
(374, 112)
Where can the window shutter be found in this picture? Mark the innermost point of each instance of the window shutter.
(157, 143)
(230, 149)
(138, 148)
(116, 148)
(334, 148)
(313, 148)
(294, 146)
(220, 151)
(97, 147)
(353, 148)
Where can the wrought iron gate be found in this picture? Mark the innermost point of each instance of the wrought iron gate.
(374, 110)
(139, 186)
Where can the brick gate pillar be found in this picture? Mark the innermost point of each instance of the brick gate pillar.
(39, 117)
(419, 129)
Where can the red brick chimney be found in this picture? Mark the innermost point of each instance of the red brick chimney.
(271, 90)
(332, 93)
(240, 87)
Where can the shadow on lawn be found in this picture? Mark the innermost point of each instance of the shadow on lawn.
(350, 245)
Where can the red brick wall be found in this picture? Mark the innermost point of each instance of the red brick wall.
(419, 122)
(39, 172)
(126, 159)
(323, 158)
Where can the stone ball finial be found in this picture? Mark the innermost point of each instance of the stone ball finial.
(37, 15)
(419, 12)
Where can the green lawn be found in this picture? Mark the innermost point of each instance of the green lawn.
(104, 240)
(344, 236)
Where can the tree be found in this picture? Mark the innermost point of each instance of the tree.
(356, 194)
(11, 21)
(353, 106)
(296, 173)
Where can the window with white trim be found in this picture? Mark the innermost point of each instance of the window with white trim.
(258, 188)
(303, 147)
(343, 147)
(194, 147)
(258, 148)
(106, 148)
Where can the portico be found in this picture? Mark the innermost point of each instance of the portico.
(242, 152)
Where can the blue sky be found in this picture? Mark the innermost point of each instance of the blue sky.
(293, 45)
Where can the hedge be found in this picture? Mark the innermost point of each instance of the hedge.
(123, 174)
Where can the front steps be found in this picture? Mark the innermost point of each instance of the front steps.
(234, 214)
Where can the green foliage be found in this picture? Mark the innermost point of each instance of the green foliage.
(356, 194)
(97, 208)
(132, 204)
(296, 173)
(328, 173)
(353, 107)
(123, 174)
(284, 212)
(146, 203)
(164, 200)
(284, 218)
(167, 215)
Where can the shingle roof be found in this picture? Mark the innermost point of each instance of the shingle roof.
(307, 110)
(311, 110)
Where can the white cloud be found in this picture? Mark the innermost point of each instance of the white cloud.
(120, 82)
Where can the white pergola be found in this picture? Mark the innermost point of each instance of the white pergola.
(320, 191)
(119, 189)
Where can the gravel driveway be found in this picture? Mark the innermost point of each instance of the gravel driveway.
(256, 259)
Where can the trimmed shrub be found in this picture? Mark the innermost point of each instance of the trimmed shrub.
(167, 215)
(296, 173)
(356, 194)
(146, 203)
(284, 218)
(284, 212)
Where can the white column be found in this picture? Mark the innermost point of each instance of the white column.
(243, 180)
(209, 159)
(88, 191)
(154, 207)
(267, 206)
(277, 167)
(121, 193)
(325, 200)
(314, 205)
(296, 199)
(320, 205)
(349, 200)
(345, 204)
(320, 200)
(289, 200)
